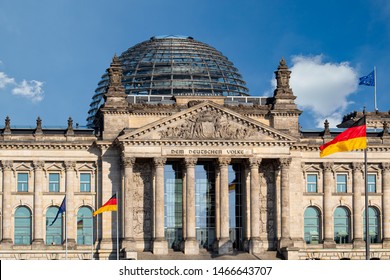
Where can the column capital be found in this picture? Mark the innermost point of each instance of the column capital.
(357, 166)
(70, 165)
(190, 162)
(328, 166)
(284, 162)
(39, 164)
(224, 161)
(254, 162)
(160, 161)
(385, 166)
(7, 164)
(128, 161)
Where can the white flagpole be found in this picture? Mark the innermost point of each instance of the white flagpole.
(117, 227)
(376, 108)
(66, 228)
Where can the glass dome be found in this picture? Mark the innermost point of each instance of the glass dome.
(173, 65)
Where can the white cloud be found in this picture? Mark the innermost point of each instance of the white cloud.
(29, 89)
(5, 80)
(323, 88)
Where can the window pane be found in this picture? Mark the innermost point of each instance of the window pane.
(341, 225)
(84, 226)
(54, 182)
(341, 183)
(22, 224)
(53, 232)
(371, 182)
(85, 182)
(311, 185)
(22, 182)
(312, 225)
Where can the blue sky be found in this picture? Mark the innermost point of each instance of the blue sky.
(53, 52)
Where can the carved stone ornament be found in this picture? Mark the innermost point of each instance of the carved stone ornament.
(70, 165)
(208, 124)
(386, 166)
(254, 162)
(7, 164)
(328, 166)
(357, 166)
(128, 161)
(190, 162)
(224, 161)
(285, 162)
(159, 162)
(39, 165)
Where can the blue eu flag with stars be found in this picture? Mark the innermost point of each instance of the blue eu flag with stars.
(368, 80)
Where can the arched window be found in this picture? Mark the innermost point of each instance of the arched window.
(22, 233)
(341, 225)
(312, 222)
(53, 231)
(373, 230)
(84, 226)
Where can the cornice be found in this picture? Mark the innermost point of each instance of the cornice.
(45, 146)
(204, 143)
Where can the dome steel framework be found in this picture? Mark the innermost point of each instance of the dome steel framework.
(173, 65)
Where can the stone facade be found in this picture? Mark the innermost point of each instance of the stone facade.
(128, 154)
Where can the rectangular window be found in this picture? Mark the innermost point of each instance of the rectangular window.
(341, 183)
(371, 183)
(54, 182)
(311, 183)
(22, 182)
(85, 182)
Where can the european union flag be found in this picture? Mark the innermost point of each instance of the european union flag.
(60, 211)
(368, 80)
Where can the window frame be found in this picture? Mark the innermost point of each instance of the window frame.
(338, 183)
(88, 183)
(22, 186)
(374, 183)
(309, 184)
(58, 182)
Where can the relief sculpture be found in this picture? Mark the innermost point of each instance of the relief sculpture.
(208, 125)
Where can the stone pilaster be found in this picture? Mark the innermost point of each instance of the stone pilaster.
(38, 207)
(160, 245)
(358, 187)
(190, 244)
(225, 246)
(71, 186)
(6, 242)
(386, 204)
(328, 187)
(255, 246)
(285, 237)
(128, 242)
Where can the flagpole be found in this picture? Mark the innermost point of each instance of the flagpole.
(66, 229)
(117, 229)
(376, 108)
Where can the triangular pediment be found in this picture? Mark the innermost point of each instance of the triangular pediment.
(207, 121)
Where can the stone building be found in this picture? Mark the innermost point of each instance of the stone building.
(197, 164)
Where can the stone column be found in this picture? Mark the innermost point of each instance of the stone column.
(71, 186)
(385, 203)
(285, 238)
(329, 186)
(255, 246)
(225, 245)
(160, 245)
(6, 242)
(128, 241)
(184, 206)
(217, 208)
(38, 207)
(190, 245)
(247, 206)
(358, 187)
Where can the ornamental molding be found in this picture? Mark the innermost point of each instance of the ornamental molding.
(204, 124)
(14, 145)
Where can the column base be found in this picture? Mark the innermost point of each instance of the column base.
(6, 243)
(386, 243)
(38, 244)
(225, 246)
(129, 245)
(255, 246)
(191, 246)
(359, 243)
(329, 244)
(160, 247)
(285, 242)
(71, 244)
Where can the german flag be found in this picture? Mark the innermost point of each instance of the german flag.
(354, 138)
(110, 205)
